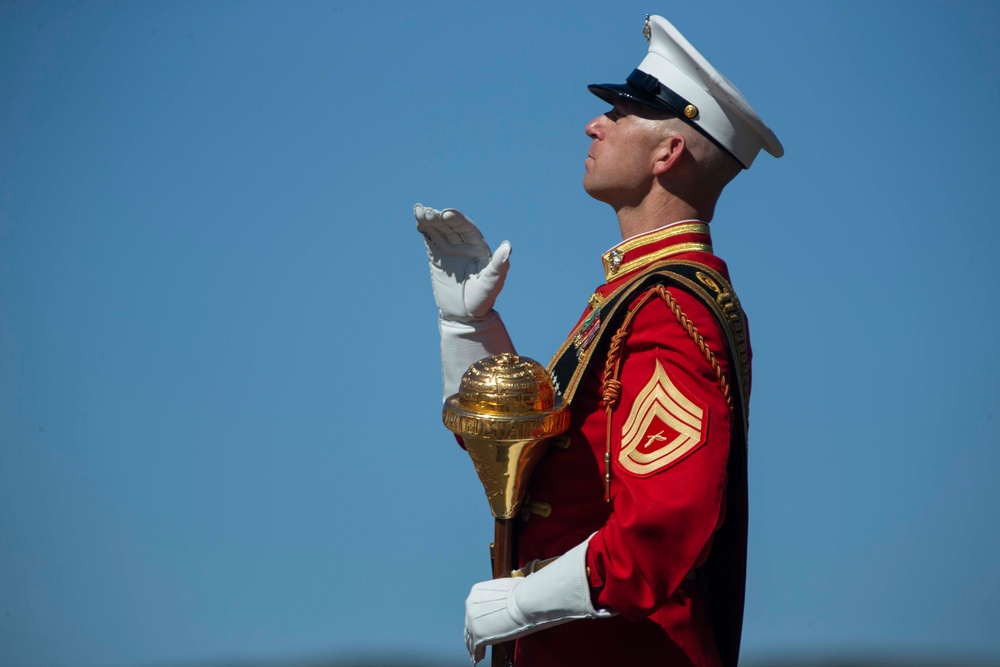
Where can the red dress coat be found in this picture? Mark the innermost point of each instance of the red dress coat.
(669, 447)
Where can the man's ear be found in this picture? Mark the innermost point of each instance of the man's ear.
(668, 154)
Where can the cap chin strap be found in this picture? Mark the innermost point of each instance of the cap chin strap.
(662, 96)
(653, 93)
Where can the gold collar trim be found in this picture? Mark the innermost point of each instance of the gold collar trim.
(615, 266)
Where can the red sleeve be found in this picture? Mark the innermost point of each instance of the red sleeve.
(669, 449)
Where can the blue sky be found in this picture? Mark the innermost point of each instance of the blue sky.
(219, 386)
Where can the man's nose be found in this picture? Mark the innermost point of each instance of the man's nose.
(593, 128)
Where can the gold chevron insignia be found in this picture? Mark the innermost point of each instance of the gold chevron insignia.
(663, 426)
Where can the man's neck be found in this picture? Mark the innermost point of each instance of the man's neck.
(653, 213)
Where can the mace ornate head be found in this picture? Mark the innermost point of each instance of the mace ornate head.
(505, 410)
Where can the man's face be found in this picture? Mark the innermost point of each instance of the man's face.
(620, 160)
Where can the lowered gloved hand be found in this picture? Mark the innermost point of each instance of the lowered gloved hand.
(504, 609)
(466, 278)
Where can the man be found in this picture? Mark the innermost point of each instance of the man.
(633, 534)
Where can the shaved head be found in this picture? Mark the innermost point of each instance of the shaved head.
(712, 168)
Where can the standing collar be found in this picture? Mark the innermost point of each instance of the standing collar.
(642, 250)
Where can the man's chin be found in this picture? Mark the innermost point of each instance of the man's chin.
(595, 191)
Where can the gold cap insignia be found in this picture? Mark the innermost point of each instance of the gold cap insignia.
(647, 31)
(690, 111)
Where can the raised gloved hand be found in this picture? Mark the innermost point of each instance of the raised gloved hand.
(466, 279)
(465, 275)
(503, 609)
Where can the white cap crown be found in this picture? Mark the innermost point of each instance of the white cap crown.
(675, 77)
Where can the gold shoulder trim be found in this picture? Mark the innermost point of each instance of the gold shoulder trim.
(614, 268)
(646, 239)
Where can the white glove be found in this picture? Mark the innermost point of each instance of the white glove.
(504, 609)
(466, 280)
(465, 276)
(464, 343)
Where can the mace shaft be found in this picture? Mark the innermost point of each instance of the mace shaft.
(503, 564)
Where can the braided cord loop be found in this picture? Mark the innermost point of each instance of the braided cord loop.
(611, 389)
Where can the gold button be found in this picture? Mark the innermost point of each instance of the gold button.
(690, 111)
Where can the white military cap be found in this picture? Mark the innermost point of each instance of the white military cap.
(674, 77)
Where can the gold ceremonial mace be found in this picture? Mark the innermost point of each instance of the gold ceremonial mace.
(505, 411)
